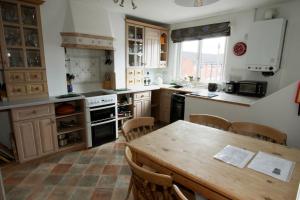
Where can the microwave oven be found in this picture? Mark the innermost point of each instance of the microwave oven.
(252, 88)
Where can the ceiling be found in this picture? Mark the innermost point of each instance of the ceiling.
(166, 11)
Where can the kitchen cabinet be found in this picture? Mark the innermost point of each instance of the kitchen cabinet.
(152, 48)
(35, 131)
(22, 49)
(142, 104)
(146, 47)
(165, 105)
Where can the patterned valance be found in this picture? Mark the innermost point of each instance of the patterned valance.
(201, 32)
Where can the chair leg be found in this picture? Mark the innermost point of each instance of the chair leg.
(129, 188)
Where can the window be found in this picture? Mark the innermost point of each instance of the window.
(203, 59)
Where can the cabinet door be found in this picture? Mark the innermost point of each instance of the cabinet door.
(146, 112)
(165, 106)
(26, 140)
(152, 48)
(138, 107)
(46, 129)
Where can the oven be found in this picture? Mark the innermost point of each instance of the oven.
(101, 121)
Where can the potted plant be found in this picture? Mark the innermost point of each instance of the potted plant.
(70, 77)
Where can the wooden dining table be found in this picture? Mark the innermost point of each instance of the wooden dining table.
(186, 152)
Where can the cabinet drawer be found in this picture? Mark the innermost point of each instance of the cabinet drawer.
(130, 82)
(15, 76)
(32, 112)
(138, 72)
(142, 95)
(138, 81)
(130, 72)
(36, 76)
(36, 88)
(16, 90)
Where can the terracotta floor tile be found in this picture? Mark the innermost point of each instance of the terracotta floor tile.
(78, 168)
(61, 193)
(8, 188)
(123, 181)
(84, 159)
(70, 180)
(61, 168)
(111, 170)
(125, 170)
(15, 178)
(82, 193)
(40, 192)
(116, 160)
(101, 159)
(107, 181)
(119, 146)
(34, 179)
(88, 181)
(52, 179)
(45, 168)
(70, 158)
(103, 194)
(94, 169)
(119, 193)
(19, 193)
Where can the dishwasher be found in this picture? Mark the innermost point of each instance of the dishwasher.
(177, 107)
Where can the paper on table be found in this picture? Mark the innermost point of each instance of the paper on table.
(271, 165)
(235, 156)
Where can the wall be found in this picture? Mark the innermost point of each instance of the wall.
(278, 110)
(240, 23)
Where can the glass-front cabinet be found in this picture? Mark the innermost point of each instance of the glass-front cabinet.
(22, 35)
(135, 46)
(22, 48)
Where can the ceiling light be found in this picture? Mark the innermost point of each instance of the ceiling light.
(122, 3)
(194, 3)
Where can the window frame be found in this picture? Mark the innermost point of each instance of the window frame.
(199, 54)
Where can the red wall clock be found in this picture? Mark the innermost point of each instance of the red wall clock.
(239, 49)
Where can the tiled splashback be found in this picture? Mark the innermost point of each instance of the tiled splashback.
(88, 66)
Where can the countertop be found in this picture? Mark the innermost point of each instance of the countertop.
(222, 97)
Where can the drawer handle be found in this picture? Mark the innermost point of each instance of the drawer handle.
(17, 90)
(142, 96)
(37, 88)
(17, 77)
(34, 112)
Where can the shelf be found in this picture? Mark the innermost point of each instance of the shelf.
(30, 26)
(33, 48)
(72, 146)
(14, 47)
(70, 115)
(69, 130)
(136, 40)
(11, 24)
(127, 117)
(125, 104)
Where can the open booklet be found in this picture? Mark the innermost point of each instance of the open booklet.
(235, 156)
(272, 165)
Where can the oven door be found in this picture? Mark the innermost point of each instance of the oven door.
(103, 113)
(103, 132)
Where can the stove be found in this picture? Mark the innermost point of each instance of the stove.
(101, 116)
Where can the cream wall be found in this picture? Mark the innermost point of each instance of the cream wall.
(240, 23)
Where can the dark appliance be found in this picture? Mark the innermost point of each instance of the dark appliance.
(252, 88)
(177, 107)
(212, 87)
(230, 87)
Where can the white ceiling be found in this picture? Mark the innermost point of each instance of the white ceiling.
(166, 11)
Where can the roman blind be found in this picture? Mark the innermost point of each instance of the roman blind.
(201, 32)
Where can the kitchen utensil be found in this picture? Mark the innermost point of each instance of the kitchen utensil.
(63, 142)
(212, 87)
(65, 109)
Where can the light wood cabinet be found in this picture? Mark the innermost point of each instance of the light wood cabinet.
(22, 49)
(165, 105)
(35, 131)
(26, 140)
(142, 104)
(152, 48)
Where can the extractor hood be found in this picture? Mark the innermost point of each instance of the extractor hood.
(87, 25)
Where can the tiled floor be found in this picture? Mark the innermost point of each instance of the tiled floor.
(99, 173)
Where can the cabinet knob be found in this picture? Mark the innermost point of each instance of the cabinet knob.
(34, 112)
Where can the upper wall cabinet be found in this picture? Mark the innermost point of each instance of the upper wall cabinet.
(22, 49)
(135, 45)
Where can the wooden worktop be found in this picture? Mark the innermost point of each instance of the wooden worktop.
(187, 151)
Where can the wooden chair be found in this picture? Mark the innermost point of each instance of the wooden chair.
(259, 131)
(137, 127)
(149, 185)
(178, 193)
(211, 121)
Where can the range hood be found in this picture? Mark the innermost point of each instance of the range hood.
(87, 25)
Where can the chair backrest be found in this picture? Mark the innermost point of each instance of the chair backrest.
(148, 185)
(137, 127)
(259, 131)
(179, 195)
(210, 120)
